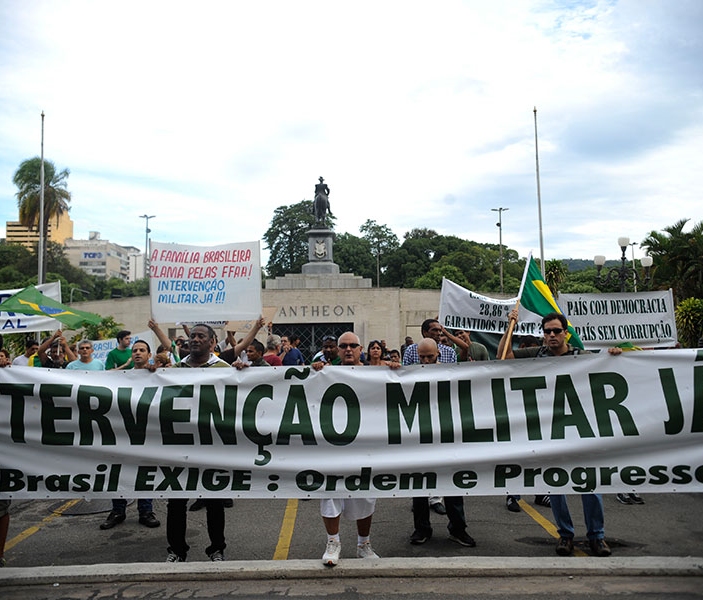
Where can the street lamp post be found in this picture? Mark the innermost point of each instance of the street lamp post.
(499, 224)
(622, 272)
(146, 241)
(73, 289)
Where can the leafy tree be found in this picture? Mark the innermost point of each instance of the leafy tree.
(287, 238)
(689, 321)
(27, 178)
(432, 280)
(353, 255)
(382, 241)
(555, 273)
(678, 259)
(105, 330)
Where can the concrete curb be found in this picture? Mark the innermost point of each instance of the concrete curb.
(650, 566)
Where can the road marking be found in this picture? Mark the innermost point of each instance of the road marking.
(32, 530)
(286, 534)
(546, 524)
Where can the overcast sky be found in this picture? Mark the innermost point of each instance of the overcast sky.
(211, 114)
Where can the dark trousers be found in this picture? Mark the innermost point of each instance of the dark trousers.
(455, 514)
(176, 516)
(144, 505)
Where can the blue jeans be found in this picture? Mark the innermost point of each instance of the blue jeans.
(592, 515)
(143, 504)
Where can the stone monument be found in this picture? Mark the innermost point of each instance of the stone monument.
(320, 271)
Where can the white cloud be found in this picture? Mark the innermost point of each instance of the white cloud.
(211, 115)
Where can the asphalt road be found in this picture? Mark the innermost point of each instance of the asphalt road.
(267, 532)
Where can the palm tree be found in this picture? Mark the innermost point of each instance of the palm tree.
(56, 197)
(555, 274)
(678, 258)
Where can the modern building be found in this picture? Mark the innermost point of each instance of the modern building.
(101, 258)
(59, 230)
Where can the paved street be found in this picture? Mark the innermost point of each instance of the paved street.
(262, 533)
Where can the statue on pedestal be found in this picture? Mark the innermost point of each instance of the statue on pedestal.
(321, 205)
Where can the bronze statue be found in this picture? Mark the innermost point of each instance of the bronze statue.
(321, 205)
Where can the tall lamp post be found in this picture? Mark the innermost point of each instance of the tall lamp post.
(146, 241)
(499, 224)
(623, 272)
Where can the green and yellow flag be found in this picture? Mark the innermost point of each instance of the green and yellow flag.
(536, 297)
(30, 301)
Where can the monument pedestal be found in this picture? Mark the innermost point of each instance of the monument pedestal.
(320, 271)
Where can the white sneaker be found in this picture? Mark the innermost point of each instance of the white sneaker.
(332, 551)
(365, 551)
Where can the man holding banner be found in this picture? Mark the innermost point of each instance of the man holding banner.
(554, 326)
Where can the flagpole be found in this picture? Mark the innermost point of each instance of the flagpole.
(40, 248)
(539, 201)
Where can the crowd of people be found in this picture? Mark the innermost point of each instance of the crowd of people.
(200, 348)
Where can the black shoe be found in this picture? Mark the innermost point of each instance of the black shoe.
(599, 548)
(418, 537)
(197, 505)
(463, 538)
(114, 518)
(149, 520)
(438, 507)
(543, 500)
(228, 503)
(624, 499)
(565, 546)
(635, 498)
(512, 504)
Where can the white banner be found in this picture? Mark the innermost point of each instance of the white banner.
(646, 319)
(11, 322)
(460, 308)
(197, 283)
(552, 425)
(101, 348)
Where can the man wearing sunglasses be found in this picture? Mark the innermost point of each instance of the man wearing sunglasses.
(357, 509)
(555, 326)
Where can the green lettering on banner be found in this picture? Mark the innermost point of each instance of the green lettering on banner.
(18, 393)
(418, 481)
(256, 395)
(500, 409)
(697, 425)
(444, 406)
(135, 423)
(673, 402)
(529, 386)
(144, 481)
(353, 414)
(168, 415)
(565, 392)
(469, 432)
(633, 475)
(419, 404)
(465, 480)
(604, 405)
(209, 415)
(50, 413)
(296, 404)
(87, 415)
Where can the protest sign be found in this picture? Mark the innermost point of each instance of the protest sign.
(578, 424)
(16, 323)
(196, 283)
(646, 319)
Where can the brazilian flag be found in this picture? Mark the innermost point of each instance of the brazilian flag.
(30, 301)
(537, 298)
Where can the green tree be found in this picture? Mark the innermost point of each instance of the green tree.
(555, 273)
(27, 178)
(287, 237)
(689, 321)
(382, 241)
(678, 259)
(432, 280)
(105, 330)
(353, 255)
